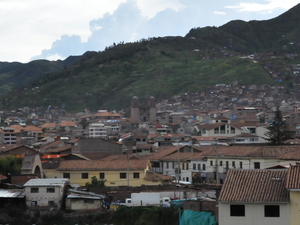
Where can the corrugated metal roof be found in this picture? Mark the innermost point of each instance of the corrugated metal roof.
(255, 186)
(12, 193)
(82, 196)
(46, 182)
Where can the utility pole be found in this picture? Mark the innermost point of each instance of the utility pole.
(217, 163)
(127, 168)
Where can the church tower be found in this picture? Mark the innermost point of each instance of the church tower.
(135, 109)
(152, 110)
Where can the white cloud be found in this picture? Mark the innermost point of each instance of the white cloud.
(59, 28)
(54, 57)
(150, 8)
(219, 13)
(267, 7)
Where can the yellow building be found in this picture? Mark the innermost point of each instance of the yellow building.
(118, 172)
(293, 185)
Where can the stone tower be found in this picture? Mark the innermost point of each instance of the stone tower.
(135, 109)
(143, 112)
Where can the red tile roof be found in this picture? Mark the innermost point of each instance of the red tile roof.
(48, 125)
(67, 124)
(103, 165)
(18, 128)
(253, 151)
(255, 186)
(293, 177)
(33, 128)
(106, 114)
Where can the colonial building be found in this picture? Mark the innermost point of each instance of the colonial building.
(145, 112)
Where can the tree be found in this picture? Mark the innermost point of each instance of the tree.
(96, 183)
(278, 130)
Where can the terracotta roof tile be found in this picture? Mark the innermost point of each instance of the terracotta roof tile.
(103, 165)
(293, 177)
(67, 124)
(253, 151)
(255, 186)
(18, 128)
(106, 114)
(48, 125)
(32, 128)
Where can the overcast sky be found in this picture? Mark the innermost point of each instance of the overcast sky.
(56, 29)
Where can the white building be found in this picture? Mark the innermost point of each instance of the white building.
(45, 192)
(254, 197)
(8, 136)
(97, 130)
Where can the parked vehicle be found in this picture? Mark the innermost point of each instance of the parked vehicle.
(147, 199)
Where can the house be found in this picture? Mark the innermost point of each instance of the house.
(18, 150)
(165, 139)
(116, 170)
(254, 197)
(84, 201)
(67, 125)
(222, 158)
(31, 134)
(97, 148)
(167, 160)
(15, 197)
(45, 193)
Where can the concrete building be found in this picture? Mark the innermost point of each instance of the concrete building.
(45, 193)
(8, 136)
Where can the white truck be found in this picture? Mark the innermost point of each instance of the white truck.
(147, 199)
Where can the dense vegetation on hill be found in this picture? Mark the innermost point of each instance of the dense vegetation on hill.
(162, 67)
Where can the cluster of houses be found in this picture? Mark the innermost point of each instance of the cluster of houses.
(145, 146)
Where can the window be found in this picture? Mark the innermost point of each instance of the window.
(187, 166)
(194, 166)
(123, 175)
(102, 176)
(50, 203)
(199, 166)
(155, 164)
(227, 164)
(252, 130)
(237, 210)
(211, 162)
(34, 190)
(221, 163)
(233, 164)
(50, 190)
(241, 165)
(232, 130)
(256, 165)
(84, 176)
(167, 163)
(136, 175)
(272, 211)
(89, 201)
(203, 166)
(66, 175)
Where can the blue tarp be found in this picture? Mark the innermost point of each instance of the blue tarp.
(190, 217)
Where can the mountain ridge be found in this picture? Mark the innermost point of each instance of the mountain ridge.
(160, 67)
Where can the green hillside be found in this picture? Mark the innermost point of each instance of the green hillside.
(159, 67)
